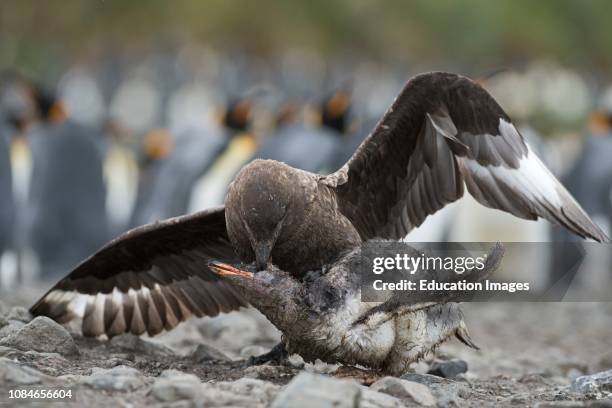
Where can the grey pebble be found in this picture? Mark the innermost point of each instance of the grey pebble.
(204, 352)
(405, 390)
(262, 371)
(43, 335)
(130, 342)
(120, 378)
(19, 313)
(12, 372)
(374, 399)
(176, 386)
(447, 392)
(313, 390)
(11, 327)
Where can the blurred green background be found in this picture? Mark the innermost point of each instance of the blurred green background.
(472, 35)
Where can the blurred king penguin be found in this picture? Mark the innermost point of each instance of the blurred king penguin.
(590, 181)
(67, 217)
(6, 192)
(181, 160)
(309, 148)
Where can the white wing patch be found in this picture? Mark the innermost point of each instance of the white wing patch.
(528, 191)
(531, 180)
(533, 172)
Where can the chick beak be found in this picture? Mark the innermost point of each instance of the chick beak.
(223, 269)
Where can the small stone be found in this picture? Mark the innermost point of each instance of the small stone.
(519, 399)
(120, 378)
(11, 327)
(448, 369)
(204, 352)
(43, 335)
(262, 371)
(181, 404)
(3, 321)
(19, 313)
(130, 342)
(169, 373)
(234, 331)
(115, 359)
(119, 370)
(215, 397)
(374, 399)
(405, 390)
(447, 392)
(426, 379)
(176, 387)
(598, 385)
(312, 390)
(257, 390)
(559, 404)
(252, 351)
(12, 372)
(604, 403)
(5, 350)
(532, 379)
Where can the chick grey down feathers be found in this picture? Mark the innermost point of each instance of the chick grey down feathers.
(322, 316)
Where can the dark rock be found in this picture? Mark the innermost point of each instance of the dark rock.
(448, 369)
(43, 335)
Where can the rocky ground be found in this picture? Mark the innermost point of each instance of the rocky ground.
(546, 355)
